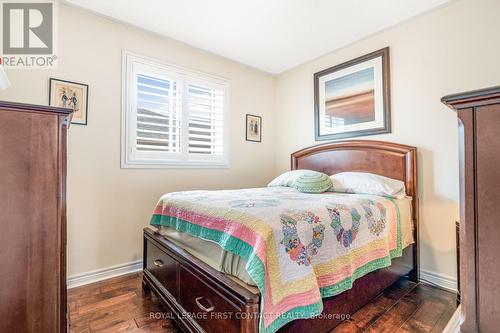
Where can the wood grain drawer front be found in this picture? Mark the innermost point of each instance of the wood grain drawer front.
(163, 267)
(213, 312)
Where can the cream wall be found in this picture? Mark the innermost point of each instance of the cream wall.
(451, 49)
(108, 206)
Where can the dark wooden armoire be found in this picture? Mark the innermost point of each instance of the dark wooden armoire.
(33, 218)
(479, 130)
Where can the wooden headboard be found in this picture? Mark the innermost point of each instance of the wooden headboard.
(383, 158)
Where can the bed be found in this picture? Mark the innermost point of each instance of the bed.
(205, 288)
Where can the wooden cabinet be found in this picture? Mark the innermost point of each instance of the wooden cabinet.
(32, 218)
(479, 128)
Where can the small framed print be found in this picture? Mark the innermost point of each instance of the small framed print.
(254, 128)
(353, 98)
(71, 95)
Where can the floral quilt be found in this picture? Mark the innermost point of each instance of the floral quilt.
(299, 248)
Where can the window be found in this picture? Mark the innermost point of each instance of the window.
(172, 116)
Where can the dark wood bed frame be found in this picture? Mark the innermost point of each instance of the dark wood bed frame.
(201, 299)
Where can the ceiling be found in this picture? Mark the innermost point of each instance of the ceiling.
(271, 35)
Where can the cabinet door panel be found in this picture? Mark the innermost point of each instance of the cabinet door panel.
(30, 236)
(488, 216)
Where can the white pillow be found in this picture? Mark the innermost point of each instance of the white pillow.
(367, 183)
(287, 178)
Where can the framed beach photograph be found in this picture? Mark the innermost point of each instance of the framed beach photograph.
(353, 98)
(254, 128)
(72, 95)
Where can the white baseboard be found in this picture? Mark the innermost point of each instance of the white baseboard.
(453, 325)
(444, 281)
(103, 274)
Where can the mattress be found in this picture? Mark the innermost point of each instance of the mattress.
(233, 265)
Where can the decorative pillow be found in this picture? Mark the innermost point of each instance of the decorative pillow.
(303, 180)
(287, 178)
(367, 183)
(312, 182)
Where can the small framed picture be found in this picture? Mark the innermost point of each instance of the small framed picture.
(353, 98)
(254, 128)
(72, 95)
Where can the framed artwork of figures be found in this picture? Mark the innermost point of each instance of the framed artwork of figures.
(254, 128)
(72, 95)
(353, 98)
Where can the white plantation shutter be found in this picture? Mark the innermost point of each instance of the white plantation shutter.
(173, 117)
(205, 120)
(158, 115)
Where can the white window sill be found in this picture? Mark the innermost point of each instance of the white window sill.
(174, 165)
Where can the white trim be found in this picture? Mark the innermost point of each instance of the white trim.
(180, 69)
(176, 165)
(453, 325)
(184, 76)
(444, 281)
(103, 274)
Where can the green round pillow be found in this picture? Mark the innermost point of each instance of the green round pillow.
(312, 182)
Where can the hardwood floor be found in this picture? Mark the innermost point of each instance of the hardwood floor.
(120, 305)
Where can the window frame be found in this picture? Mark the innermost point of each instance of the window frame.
(133, 64)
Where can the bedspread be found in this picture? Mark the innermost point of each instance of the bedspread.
(299, 248)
